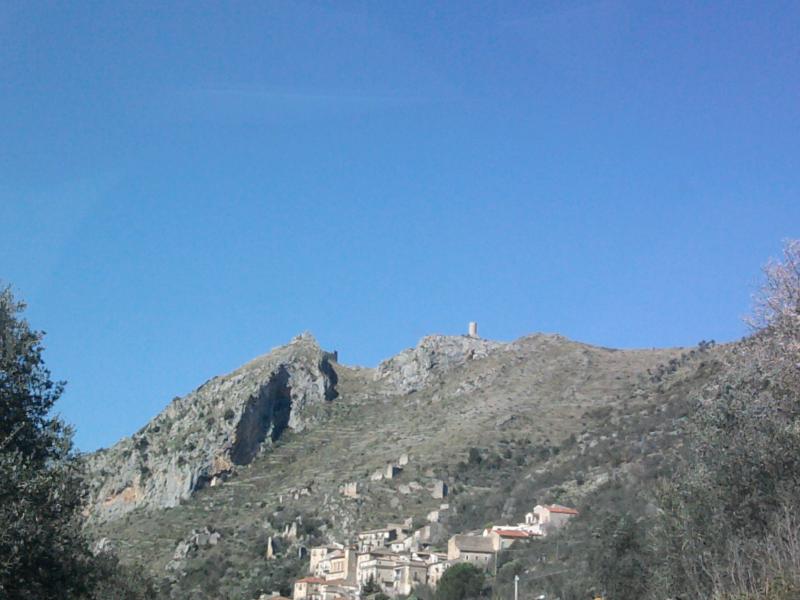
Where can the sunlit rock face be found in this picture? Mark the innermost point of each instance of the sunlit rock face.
(433, 357)
(202, 436)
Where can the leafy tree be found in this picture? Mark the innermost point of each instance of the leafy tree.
(26, 390)
(43, 553)
(460, 582)
(121, 582)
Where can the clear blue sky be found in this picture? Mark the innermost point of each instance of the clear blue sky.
(183, 187)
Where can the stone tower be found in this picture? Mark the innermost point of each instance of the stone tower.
(473, 329)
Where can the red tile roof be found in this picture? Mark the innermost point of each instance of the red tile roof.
(557, 508)
(512, 533)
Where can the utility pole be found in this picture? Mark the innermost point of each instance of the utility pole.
(516, 587)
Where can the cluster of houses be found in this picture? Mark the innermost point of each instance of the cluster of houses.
(398, 558)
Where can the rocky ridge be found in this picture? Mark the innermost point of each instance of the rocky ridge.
(200, 438)
(414, 368)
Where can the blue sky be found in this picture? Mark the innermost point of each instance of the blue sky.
(185, 185)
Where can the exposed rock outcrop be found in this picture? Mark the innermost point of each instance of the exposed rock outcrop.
(196, 541)
(434, 356)
(204, 435)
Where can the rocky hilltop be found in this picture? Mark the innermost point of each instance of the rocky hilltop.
(199, 439)
(435, 355)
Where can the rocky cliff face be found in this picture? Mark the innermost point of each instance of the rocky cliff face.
(198, 439)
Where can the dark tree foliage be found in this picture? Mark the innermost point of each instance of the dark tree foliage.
(370, 587)
(26, 390)
(460, 582)
(618, 557)
(43, 552)
(120, 582)
(475, 457)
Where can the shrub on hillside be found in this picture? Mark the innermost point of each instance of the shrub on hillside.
(720, 515)
(462, 581)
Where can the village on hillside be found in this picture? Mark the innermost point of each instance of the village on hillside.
(397, 558)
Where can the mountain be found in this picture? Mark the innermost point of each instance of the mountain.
(202, 437)
(286, 451)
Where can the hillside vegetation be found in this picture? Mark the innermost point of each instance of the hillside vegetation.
(505, 425)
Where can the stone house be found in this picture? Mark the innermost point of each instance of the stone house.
(379, 568)
(375, 538)
(478, 550)
(435, 562)
(503, 538)
(436, 570)
(401, 545)
(351, 489)
(440, 515)
(550, 517)
(409, 575)
(439, 489)
(435, 516)
(337, 589)
(308, 588)
(403, 528)
(391, 471)
(338, 565)
(428, 535)
(318, 553)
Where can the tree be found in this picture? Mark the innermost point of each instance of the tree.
(43, 552)
(460, 582)
(474, 456)
(720, 514)
(370, 587)
(26, 390)
(618, 557)
(777, 304)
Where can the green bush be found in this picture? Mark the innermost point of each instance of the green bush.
(460, 582)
